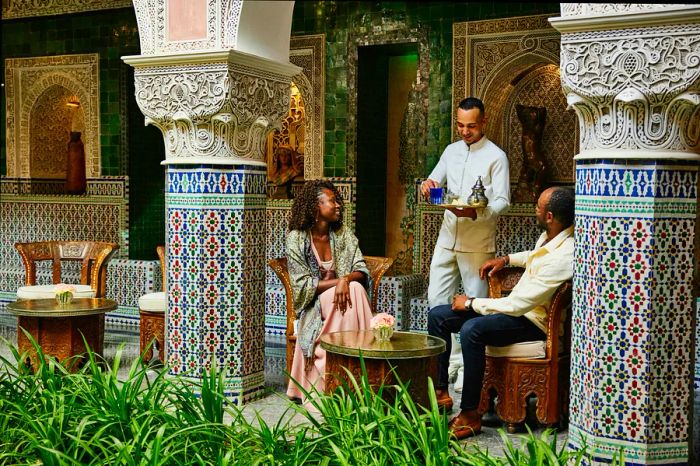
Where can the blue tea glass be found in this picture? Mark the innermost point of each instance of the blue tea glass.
(436, 195)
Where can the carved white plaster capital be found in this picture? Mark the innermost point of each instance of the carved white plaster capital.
(214, 107)
(216, 27)
(635, 89)
(580, 17)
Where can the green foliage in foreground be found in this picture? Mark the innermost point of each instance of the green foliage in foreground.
(54, 417)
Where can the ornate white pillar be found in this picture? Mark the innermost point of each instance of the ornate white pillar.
(215, 106)
(631, 72)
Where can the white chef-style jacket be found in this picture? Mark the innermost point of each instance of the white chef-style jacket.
(458, 169)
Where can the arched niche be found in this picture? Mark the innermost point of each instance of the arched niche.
(532, 80)
(33, 83)
(308, 91)
(286, 148)
(514, 61)
(49, 136)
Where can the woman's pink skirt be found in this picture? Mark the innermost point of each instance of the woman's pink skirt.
(356, 318)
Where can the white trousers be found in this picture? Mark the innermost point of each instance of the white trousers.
(446, 269)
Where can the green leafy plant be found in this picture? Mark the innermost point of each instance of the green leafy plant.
(52, 416)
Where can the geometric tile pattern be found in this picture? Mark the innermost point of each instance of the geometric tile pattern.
(275, 310)
(395, 294)
(216, 236)
(98, 216)
(632, 329)
(697, 346)
(419, 315)
(127, 281)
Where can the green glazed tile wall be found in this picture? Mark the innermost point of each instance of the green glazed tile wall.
(335, 18)
(110, 33)
(127, 147)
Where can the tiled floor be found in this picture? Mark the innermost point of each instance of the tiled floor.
(275, 405)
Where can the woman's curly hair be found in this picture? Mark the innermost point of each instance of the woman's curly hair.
(305, 206)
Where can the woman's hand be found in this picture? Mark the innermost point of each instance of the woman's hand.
(341, 300)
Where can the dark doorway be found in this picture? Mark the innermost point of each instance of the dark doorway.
(373, 113)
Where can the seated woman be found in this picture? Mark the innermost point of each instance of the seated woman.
(327, 270)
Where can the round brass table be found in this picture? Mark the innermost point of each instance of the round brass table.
(413, 357)
(59, 329)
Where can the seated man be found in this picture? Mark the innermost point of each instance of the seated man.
(521, 316)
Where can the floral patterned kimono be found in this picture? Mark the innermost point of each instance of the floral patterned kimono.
(315, 312)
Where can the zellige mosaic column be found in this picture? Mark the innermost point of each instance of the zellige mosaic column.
(215, 110)
(631, 72)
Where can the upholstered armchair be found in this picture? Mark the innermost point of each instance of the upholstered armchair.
(539, 368)
(152, 317)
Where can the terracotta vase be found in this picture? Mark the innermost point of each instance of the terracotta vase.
(76, 183)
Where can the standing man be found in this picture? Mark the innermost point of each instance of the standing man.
(467, 236)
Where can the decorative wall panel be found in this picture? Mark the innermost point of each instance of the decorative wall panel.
(101, 215)
(220, 30)
(513, 61)
(12, 9)
(309, 53)
(26, 81)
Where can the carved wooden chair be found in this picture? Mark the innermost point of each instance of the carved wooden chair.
(93, 255)
(516, 372)
(377, 266)
(152, 317)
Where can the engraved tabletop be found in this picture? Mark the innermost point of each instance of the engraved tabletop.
(51, 308)
(403, 345)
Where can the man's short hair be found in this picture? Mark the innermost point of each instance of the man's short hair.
(562, 204)
(472, 102)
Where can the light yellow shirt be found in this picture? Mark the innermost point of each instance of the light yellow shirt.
(546, 267)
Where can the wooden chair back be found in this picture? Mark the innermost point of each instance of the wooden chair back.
(377, 266)
(94, 256)
(514, 379)
(160, 250)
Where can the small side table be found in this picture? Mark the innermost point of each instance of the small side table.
(412, 355)
(59, 329)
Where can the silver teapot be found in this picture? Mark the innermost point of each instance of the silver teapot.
(478, 199)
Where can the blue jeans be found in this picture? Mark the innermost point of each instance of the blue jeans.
(475, 332)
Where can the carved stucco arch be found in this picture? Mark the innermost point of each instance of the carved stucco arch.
(497, 88)
(311, 159)
(90, 138)
(29, 78)
(488, 55)
(309, 52)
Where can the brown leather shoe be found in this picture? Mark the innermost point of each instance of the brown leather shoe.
(444, 400)
(465, 424)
